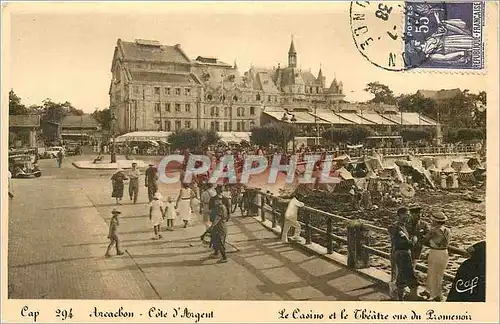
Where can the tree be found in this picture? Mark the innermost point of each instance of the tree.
(419, 104)
(417, 134)
(454, 135)
(15, 105)
(382, 93)
(274, 133)
(103, 117)
(193, 139)
(351, 134)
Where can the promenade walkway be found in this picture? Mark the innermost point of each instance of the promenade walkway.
(57, 242)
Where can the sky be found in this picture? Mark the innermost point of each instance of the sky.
(64, 51)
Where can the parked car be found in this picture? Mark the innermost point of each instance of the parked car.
(22, 166)
(54, 150)
(72, 149)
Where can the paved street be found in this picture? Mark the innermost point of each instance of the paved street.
(57, 239)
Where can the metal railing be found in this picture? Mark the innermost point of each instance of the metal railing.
(270, 213)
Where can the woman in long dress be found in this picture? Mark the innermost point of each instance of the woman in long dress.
(437, 239)
(184, 203)
(117, 181)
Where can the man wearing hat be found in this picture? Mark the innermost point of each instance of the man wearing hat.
(113, 233)
(151, 181)
(402, 243)
(438, 240)
(133, 186)
(417, 230)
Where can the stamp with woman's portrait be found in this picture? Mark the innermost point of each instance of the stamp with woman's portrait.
(401, 36)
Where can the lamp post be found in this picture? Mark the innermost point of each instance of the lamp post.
(285, 120)
(293, 120)
(113, 148)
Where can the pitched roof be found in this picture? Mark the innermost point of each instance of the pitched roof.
(85, 120)
(308, 77)
(292, 48)
(266, 82)
(152, 51)
(163, 77)
(291, 75)
(24, 121)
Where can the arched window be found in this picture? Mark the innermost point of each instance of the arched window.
(235, 98)
(257, 97)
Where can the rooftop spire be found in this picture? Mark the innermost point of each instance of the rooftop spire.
(292, 48)
(235, 65)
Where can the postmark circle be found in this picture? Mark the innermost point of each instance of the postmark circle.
(396, 36)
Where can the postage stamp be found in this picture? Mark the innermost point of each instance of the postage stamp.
(399, 36)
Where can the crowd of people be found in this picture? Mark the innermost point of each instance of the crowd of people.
(209, 203)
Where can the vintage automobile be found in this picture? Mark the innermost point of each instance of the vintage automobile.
(54, 150)
(22, 166)
(72, 149)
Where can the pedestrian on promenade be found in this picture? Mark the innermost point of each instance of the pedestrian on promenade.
(118, 182)
(157, 214)
(438, 240)
(195, 202)
(113, 233)
(469, 284)
(184, 203)
(417, 230)
(219, 229)
(151, 181)
(206, 195)
(11, 195)
(291, 215)
(402, 243)
(133, 186)
(170, 213)
(59, 158)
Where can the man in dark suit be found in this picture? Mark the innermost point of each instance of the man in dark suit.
(151, 181)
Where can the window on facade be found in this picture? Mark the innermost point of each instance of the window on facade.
(242, 113)
(157, 91)
(157, 106)
(187, 124)
(317, 89)
(217, 126)
(216, 111)
(177, 107)
(305, 88)
(242, 126)
(257, 97)
(226, 111)
(252, 111)
(187, 107)
(212, 111)
(187, 92)
(157, 122)
(212, 125)
(209, 97)
(235, 98)
(166, 91)
(136, 90)
(177, 91)
(238, 126)
(268, 98)
(168, 126)
(226, 129)
(167, 106)
(178, 124)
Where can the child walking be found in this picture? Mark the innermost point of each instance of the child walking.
(113, 233)
(156, 214)
(171, 213)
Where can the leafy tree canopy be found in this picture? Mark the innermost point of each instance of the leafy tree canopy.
(15, 105)
(382, 93)
(275, 133)
(193, 139)
(103, 117)
(352, 134)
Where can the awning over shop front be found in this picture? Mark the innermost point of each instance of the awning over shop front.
(355, 118)
(143, 136)
(234, 137)
(302, 117)
(377, 119)
(333, 118)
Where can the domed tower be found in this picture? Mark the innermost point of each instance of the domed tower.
(292, 55)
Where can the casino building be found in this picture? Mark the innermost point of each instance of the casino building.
(157, 87)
